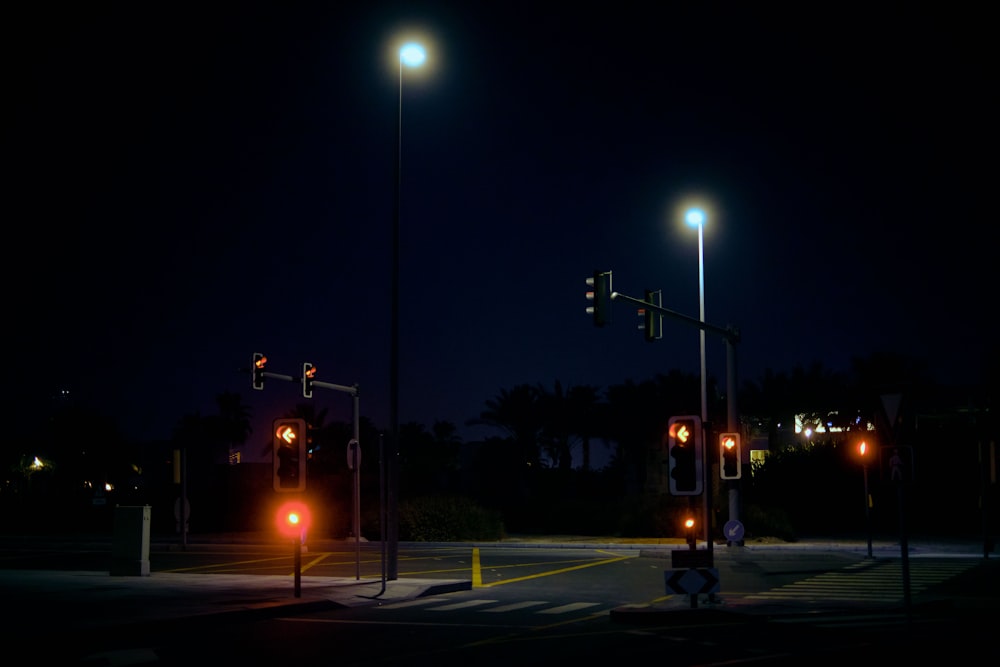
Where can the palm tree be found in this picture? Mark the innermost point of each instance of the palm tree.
(586, 417)
(234, 420)
(557, 425)
(517, 413)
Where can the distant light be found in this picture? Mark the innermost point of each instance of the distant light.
(695, 217)
(412, 55)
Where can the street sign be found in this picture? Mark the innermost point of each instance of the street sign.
(691, 558)
(692, 581)
(353, 455)
(733, 530)
(897, 463)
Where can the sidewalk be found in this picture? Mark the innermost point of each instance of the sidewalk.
(93, 599)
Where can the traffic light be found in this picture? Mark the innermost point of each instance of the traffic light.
(293, 519)
(684, 455)
(864, 451)
(600, 296)
(257, 364)
(730, 464)
(652, 321)
(289, 454)
(689, 533)
(308, 375)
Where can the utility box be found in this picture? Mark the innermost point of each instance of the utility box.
(130, 545)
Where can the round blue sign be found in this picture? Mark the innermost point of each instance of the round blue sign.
(733, 530)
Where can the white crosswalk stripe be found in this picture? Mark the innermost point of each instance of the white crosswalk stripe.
(514, 606)
(868, 582)
(464, 604)
(444, 603)
(566, 608)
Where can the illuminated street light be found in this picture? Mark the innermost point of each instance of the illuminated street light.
(410, 55)
(696, 218)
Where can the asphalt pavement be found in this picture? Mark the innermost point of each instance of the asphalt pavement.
(98, 601)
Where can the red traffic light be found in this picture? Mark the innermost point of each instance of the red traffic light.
(730, 456)
(308, 375)
(289, 454)
(293, 519)
(684, 455)
(681, 431)
(257, 364)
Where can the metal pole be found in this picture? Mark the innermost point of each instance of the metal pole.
(184, 502)
(868, 521)
(706, 458)
(298, 566)
(357, 490)
(393, 470)
(733, 426)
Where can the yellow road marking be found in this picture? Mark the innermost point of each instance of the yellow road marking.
(559, 571)
(477, 573)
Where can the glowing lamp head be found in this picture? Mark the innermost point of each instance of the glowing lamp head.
(412, 55)
(689, 523)
(695, 217)
(863, 448)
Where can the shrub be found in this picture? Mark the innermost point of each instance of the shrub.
(768, 522)
(447, 519)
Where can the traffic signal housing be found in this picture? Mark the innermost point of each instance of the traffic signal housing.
(730, 463)
(257, 364)
(289, 454)
(684, 455)
(599, 294)
(653, 320)
(308, 375)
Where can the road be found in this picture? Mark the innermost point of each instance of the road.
(545, 604)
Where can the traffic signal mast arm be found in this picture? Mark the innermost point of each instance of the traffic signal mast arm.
(353, 391)
(731, 334)
(316, 383)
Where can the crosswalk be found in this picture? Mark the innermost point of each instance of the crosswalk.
(443, 603)
(880, 581)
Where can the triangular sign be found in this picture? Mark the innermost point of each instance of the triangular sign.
(890, 403)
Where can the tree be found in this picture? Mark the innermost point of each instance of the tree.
(517, 412)
(234, 418)
(586, 417)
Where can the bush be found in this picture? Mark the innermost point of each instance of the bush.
(770, 522)
(447, 519)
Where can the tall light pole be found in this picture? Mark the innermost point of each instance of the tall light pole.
(696, 218)
(411, 54)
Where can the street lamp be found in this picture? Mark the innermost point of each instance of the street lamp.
(696, 218)
(411, 54)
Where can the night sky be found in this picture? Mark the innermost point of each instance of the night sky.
(185, 186)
